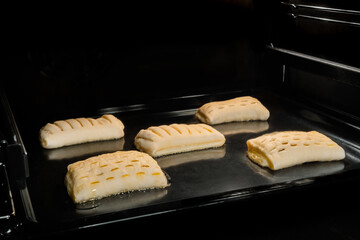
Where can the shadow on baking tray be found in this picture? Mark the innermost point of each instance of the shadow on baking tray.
(303, 171)
(84, 150)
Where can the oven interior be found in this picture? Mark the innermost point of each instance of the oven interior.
(297, 57)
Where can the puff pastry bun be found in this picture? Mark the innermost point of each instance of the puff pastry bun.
(279, 150)
(237, 109)
(176, 138)
(113, 173)
(80, 130)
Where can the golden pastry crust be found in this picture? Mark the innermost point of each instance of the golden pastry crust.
(176, 138)
(113, 173)
(279, 150)
(80, 130)
(237, 109)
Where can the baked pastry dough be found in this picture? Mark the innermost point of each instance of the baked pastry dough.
(113, 173)
(279, 150)
(176, 138)
(80, 130)
(237, 109)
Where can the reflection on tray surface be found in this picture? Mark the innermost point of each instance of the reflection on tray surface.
(306, 170)
(181, 158)
(242, 127)
(84, 149)
(121, 202)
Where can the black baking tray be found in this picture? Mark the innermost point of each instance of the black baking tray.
(197, 178)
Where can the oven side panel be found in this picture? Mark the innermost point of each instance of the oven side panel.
(315, 47)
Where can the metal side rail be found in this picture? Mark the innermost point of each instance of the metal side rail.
(15, 202)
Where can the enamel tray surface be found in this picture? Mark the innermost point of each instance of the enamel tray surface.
(196, 178)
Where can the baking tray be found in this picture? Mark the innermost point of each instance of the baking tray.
(198, 178)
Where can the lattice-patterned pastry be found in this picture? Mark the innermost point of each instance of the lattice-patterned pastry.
(237, 109)
(176, 138)
(279, 150)
(113, 173)
(80, 130)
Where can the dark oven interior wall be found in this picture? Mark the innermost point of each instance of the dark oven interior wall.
(329, 87)
(190, 48)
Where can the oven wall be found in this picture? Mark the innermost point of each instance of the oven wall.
(145, 52)
(152, 53)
